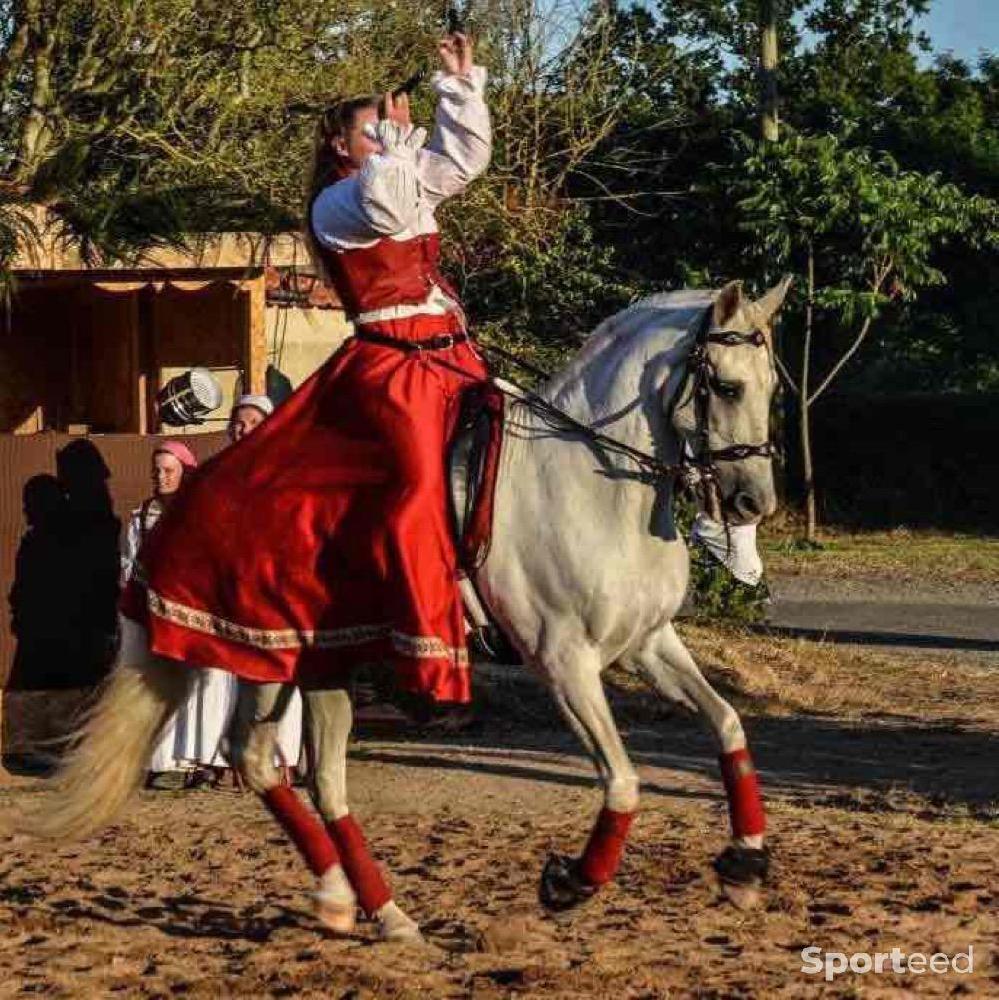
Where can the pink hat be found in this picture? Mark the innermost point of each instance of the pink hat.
(180, 451)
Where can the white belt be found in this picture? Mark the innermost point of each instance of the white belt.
(437, 303)
(400, 312)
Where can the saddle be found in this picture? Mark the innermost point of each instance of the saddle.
(473, 467)
(473, 470)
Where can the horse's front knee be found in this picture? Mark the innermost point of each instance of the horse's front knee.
(252, 753)
(329, 794)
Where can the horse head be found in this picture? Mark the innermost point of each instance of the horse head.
(722, 411)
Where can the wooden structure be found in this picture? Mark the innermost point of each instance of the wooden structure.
(86, 350)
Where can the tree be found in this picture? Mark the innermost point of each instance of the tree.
(861, 233)
(137, 121)
(141, 121)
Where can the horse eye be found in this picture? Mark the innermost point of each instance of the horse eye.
(728, 390)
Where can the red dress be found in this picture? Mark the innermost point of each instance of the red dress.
(323, 541)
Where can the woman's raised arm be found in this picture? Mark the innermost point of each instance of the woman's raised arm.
(461, 144)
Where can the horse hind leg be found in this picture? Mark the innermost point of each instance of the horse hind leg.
(579, 693)
(253, 745)
(329, 718)
(668, 667)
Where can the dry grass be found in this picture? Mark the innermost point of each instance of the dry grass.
(770, 675)
(901, 556)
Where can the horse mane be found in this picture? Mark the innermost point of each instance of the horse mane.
(648, 328)
(620, 325)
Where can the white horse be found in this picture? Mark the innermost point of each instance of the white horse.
(585, 570)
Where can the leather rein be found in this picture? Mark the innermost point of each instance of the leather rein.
(699, 468)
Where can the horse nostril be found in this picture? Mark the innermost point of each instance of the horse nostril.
(746, 505)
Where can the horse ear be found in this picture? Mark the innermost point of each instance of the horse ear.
(771, 302)
(727, 303)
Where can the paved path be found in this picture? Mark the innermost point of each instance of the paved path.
(883, 614)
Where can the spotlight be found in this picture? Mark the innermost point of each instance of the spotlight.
(189, 398)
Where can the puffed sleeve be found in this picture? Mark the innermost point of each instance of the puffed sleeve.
(381, 199)
(461, 144)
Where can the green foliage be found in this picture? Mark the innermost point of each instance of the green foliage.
(871, 228)
(552, 287)
(717, 594)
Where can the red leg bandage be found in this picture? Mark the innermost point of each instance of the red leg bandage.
(603, 851)
(742, 786)
(365, 877)
(305, 831)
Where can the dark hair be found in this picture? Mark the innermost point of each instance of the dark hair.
(327, 167)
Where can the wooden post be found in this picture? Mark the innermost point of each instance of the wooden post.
(151, 311)
(135, 384)
(768, 70)
(254, 296)
(770, 131)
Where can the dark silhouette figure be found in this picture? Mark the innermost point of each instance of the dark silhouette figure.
(64, 601)
(93, 562)
(39, 599)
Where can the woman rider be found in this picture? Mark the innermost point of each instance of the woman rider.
(321, 541)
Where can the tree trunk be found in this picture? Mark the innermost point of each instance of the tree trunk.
(35, 132)
(804, 428)
(804, 423)
(768, 70)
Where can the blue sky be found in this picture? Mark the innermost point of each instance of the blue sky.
(964, 26)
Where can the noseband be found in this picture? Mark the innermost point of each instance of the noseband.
(701, 467)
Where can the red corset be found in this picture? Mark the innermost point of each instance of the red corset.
(388, 273)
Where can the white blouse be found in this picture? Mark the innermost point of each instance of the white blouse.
(396, 191)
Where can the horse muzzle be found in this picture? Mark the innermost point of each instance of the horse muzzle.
(748, 506)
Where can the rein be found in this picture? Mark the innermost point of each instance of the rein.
(692, 470)
(653, 470)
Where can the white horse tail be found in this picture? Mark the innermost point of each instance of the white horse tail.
(108, 754)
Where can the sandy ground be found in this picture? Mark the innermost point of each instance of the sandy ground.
(884, 829)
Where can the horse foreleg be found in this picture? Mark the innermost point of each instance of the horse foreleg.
(670, 669)
(580, 695)
(329, 718)
(253, 742)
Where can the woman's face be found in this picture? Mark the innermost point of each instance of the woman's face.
(243, 421)
(167, 473)
(355, 147)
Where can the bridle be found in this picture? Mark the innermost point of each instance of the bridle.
(699, 468)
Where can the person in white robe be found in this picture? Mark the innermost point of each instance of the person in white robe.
(191, 739)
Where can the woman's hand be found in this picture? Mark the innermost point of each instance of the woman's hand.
(396, 109)
(456, 54)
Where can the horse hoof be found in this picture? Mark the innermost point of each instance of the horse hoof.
(742, 897)
(741, 872)
(561, 887)
(339, 918)
(402, 934)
